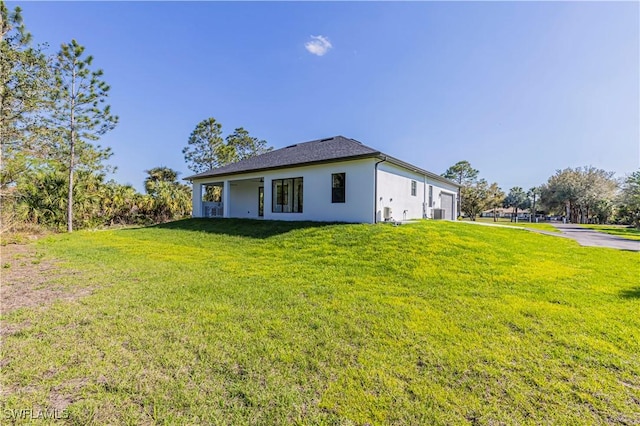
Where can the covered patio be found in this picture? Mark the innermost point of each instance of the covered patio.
(239, 198)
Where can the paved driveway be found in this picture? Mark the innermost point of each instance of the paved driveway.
(589, 237)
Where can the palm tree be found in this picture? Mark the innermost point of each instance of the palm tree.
(170, 198)
(159, 174)
(120, 204)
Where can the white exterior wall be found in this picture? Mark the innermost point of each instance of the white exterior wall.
(244, 199)
(317, 205)
(241, 200)
(394, 191)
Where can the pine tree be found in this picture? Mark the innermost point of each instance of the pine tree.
(80, 115)
(206, 149)
(245, 146)
(23, 80)
(464, 175)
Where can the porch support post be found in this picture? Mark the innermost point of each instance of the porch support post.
(226, 198)
(196, 198)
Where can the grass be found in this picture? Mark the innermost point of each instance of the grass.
(623, 231)
(255, 322)
(18, 232)
(522, 224)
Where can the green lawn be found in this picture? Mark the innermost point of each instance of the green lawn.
(249, 322)
(618, 230)
(522, 224)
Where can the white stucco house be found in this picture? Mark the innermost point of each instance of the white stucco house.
(333, 179)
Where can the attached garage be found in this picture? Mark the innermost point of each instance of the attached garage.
(447, 204)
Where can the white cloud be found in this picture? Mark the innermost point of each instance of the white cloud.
(319, 45)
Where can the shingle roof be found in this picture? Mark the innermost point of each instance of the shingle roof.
(337, 148)
(317, 151)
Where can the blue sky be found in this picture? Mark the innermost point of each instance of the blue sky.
(518, 89)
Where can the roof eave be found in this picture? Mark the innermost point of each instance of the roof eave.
(417, 169)
(288, 166)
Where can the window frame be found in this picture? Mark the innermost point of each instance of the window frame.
(339, 193)
(290, 188)
(414, 188)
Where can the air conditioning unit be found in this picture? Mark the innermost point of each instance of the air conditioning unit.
(387, 213)
(438, 214)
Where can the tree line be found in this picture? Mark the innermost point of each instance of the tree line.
(579, 195)
(53, 111)
(53, 172)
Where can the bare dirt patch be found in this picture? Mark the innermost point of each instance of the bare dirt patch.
(27, 279)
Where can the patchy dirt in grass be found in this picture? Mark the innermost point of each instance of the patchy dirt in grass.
(27, 279)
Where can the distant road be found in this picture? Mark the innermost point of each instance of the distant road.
(591, 238)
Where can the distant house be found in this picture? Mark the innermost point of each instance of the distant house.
(500, 212)
(506, 212)
(333, 179)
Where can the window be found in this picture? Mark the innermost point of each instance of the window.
(286, 195)
(430, 196)
(414, 188)
(338, 184)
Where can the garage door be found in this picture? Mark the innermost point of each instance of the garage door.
(446, 204)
